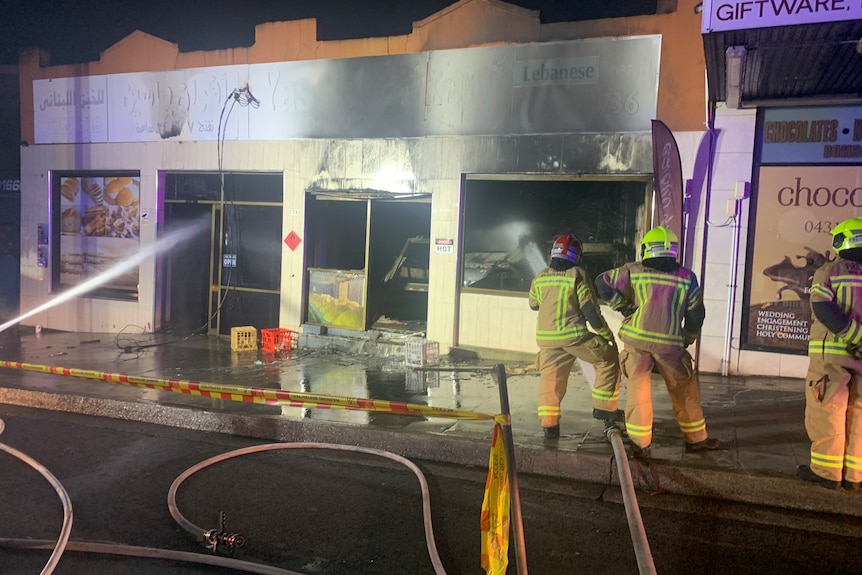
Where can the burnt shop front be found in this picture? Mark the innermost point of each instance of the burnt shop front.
(417, 193)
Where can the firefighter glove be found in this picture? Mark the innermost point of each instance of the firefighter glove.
(689, 338)
(628, 309)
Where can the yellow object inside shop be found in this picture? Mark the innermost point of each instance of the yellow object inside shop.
(337, 312)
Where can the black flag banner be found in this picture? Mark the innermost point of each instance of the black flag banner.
(667, 171)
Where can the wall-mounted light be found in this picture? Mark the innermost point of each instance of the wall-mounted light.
(734, 67)
(698, 8)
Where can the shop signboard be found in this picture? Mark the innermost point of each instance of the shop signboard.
(808, 179)
(797, 208)
(594, 85)
(723, 15)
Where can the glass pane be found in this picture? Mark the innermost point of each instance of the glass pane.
(335, 298)
(509, 227)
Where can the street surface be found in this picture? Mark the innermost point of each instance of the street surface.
(329, 512)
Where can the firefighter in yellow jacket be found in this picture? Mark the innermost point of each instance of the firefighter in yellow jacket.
(663, 308)
(565, 300)
(833, 405)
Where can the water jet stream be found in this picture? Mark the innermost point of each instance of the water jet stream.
(163, 244)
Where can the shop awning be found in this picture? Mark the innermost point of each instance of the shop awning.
(781, 65)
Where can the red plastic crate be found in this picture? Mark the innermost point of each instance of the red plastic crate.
(277, 339)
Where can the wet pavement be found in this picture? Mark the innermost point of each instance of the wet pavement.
(759, 421)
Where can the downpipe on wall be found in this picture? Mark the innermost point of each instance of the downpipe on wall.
(731, 287)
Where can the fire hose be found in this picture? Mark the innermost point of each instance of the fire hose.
(646, 566)
(215, 539)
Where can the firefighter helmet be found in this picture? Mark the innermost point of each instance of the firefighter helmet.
(568, 247)
(847, 234)
(660, 242)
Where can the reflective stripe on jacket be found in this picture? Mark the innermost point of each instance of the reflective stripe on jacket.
(662, 299)
(840, 282)
(558, 296)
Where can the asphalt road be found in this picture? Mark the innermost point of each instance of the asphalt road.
(325, 512)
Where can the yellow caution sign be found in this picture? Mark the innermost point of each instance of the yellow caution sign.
(495, 509)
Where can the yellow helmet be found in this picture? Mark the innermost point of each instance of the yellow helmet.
(847, 234)
(660, 242)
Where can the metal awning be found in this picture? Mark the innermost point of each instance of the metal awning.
(781, 65)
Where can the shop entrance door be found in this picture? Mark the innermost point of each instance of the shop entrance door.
(367, 261)
(229, 273)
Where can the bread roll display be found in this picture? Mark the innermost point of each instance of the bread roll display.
(95, 221)
(70, 221)
(69, 188)
(112, 190)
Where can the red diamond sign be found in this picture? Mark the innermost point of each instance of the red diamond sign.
(292, 240)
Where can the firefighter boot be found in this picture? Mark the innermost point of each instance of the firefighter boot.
(804, 473)
(708, 444)
(852, 485)
(640, 453)
(551, 432)
(618, 415)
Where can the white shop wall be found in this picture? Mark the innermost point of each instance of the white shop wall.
(733, 163)
(299, 160)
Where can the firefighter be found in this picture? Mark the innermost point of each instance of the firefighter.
(833, 406)
(566, 301)
(663, 311)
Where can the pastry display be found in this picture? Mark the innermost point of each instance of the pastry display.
(125, 197)
(94, 221)
(122, 222)
(112, 189)
(108, 207)
(69, 188)
(93, 188)
(70, 221)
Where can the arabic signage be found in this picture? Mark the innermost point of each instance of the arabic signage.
(722, 15)
(827, 135)
(596, 85)
(797, 208)
(71, 110)
(97, 227)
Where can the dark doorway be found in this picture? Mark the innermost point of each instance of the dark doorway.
(189, 269)
(399, 249)
(367, 261)
(229, 274)
(10, 254)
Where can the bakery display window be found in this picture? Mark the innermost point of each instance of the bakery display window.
(96, 226)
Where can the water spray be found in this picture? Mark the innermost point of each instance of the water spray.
(163, 244)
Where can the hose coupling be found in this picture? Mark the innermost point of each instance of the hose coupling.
(220, 542)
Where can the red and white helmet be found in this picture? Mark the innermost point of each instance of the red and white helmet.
(568, 247)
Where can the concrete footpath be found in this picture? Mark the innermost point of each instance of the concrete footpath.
(759, 421)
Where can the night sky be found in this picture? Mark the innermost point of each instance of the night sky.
(78, 30)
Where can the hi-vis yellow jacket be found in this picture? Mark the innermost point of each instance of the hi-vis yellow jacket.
(667, 306)
(561, 297)
(836, 303)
